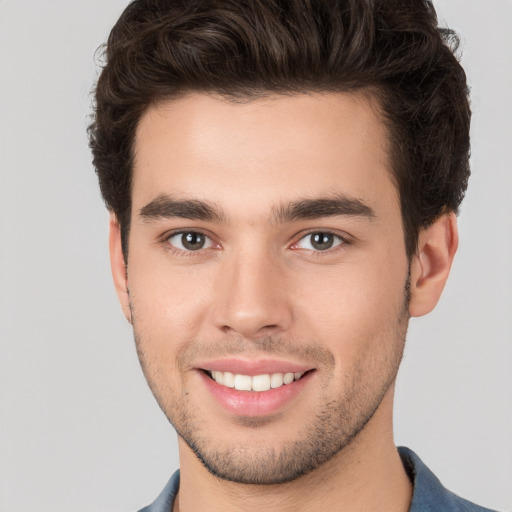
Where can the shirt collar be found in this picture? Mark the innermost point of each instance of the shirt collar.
(428, 496)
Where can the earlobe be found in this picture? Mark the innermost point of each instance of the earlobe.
(118, 266)
(431, 264)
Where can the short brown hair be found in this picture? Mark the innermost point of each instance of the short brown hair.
(244, 49)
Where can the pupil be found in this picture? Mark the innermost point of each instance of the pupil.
(322, 241)
(192, 241)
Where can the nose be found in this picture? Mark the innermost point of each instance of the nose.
(252, 297)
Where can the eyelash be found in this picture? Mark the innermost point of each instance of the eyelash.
(344, 241)
(181, 252)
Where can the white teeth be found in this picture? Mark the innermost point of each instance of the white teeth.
(243, 382)
(228, 380)
(262, 382)
(218, 376)
(288, 378)
(276, 380)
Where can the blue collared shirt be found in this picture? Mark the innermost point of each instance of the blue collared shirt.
(428, 495)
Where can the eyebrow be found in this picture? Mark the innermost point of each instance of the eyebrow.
(323, 207)
(166, 207)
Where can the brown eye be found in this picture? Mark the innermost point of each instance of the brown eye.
(322, 241)
(192, 241)
(319, 241)
(189, 241)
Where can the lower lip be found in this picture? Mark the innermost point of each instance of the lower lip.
(255, 403)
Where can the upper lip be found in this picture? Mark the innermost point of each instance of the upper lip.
(253, 367)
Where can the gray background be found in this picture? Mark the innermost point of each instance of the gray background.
(79, 431)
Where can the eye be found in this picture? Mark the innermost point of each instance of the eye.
(190, 241)
(319, 241)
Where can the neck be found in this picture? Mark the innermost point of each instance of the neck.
(366, 476)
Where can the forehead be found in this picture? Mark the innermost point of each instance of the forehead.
(263, 152)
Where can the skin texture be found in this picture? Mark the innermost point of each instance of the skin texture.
(258, 290)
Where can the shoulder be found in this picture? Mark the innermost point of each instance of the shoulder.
(165, 500)
(429, 495)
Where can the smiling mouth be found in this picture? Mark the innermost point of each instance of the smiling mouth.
(257, 383)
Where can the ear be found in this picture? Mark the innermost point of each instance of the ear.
(118, 266)
(431, 264)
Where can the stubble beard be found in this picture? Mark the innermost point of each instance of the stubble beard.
(327, 433)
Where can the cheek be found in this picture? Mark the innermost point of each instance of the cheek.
(167, 304)
(166, 311)
(352, 308)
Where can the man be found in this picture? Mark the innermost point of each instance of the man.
(283, 179)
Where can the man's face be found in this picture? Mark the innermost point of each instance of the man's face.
(266, 245)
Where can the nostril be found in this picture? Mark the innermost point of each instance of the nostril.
(249, 329)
